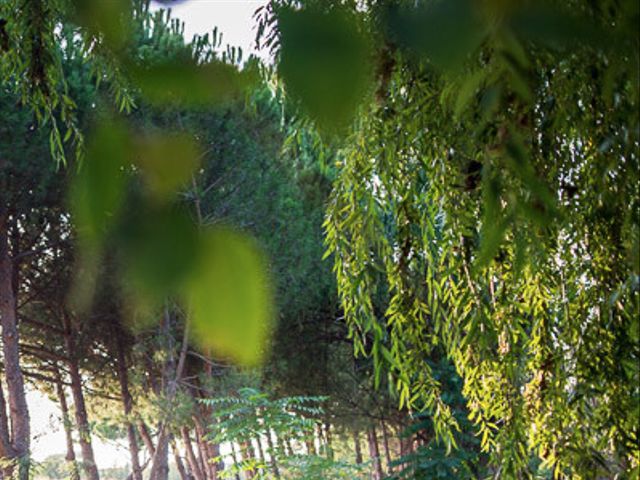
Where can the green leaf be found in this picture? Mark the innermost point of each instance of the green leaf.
(167, 162)
(159, 247)
(97, 191)
(444, 32)
(185, 83)
(324, 62)
(229, 297)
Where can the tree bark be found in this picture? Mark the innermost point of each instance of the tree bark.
(160, 464)
(273, 455)
(178, 460)
(20, 435)
(357, 446)
(82, 420)
(127, 404)
(374, 454)
(196, 470)
(70, 457)
(385, 444)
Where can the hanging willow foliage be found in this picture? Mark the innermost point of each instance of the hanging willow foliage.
(486, 203)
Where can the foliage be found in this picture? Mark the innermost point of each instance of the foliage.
(251, 413)
(492, 190)
(312, 467)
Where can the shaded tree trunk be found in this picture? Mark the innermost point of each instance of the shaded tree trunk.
(273, 455)
(385, 444)
(234, 456)
(16, 442)
(160, 464)
(178, 460)
(374, 454)
(82, 421)
(70, 456)
(194, 466)
(357, 447)
(127, 404)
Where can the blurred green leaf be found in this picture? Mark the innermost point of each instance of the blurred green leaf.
(108, 19)
(183, 82)
(445, 32)
(159, 248)
(556, 27)
(97, 191)
(325, 64)
(229, 297)
(167, 162)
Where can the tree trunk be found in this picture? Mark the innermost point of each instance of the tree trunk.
(207, 467)
(20, 436)
(234, 456)
(82, 421)
(385, 444)
(273, 455)
(195, 468)
(374, 454)
(328, 440)
(248, 454)
(146, 438)
(178, 460)
(66, 423)
(160, 463)
(127, 404)
(357, 446)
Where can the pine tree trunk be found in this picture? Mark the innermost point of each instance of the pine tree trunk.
(82, 421)
(236, 460)
(357, 446)
(385, 444)
(160, 463)
(178, 460)
(208, 467)
(20, 435)
(70, 457)
(127, 403)
(191, 457)
(374, 454)
(273, 455)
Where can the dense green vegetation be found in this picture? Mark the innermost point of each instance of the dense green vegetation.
(417, 230)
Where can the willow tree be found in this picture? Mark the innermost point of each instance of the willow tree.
(488, 184)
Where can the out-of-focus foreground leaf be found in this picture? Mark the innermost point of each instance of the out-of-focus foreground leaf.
(444, 32)
(166, 161)
(185, 83)
(108, 19)
(98, 190)
(229, 297)
(159, 248)
(325, 64)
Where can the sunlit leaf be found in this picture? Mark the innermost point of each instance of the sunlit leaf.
(229, 297)
(324, 62)
(167, 162)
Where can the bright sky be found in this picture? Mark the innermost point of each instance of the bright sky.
(234, 19)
